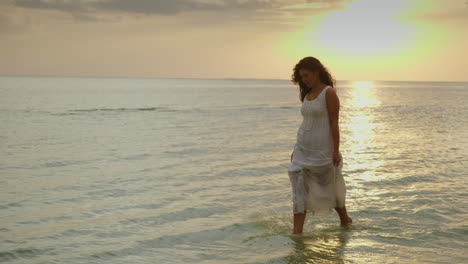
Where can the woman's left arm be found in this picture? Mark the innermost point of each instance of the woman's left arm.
(333, 107)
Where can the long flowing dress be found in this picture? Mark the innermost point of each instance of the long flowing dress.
(317, 184)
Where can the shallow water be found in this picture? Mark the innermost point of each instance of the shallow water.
(97, 170)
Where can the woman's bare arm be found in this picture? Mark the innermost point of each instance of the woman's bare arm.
(333, 107)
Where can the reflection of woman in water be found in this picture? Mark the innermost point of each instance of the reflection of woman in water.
(316, 162)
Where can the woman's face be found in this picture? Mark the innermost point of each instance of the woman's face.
(309, 78)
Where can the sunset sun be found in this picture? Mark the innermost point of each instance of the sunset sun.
(360, 31)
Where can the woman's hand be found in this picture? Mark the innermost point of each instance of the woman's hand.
(336, 158)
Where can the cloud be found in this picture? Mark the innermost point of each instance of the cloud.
(6, 24)
(172, 7)
(63, 5)
(454, 13)
(11, 22)
(280, 13)
(159, 7)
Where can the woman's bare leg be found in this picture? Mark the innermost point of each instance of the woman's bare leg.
(344, 218)
(299, 222)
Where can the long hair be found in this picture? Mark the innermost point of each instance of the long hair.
(311, 64)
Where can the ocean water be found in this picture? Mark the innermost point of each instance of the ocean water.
(115, 170)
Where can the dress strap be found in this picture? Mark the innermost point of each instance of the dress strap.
(324, 91)
(318, 96)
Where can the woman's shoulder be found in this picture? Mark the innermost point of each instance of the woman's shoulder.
(330, 91)
(331, 96)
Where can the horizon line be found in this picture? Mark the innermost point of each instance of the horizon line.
(204, 78)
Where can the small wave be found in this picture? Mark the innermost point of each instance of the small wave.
(63, 163)
(167, 109)
(27, 253)
(115, 110)
(270, 107)
(162, 109)
(254, 108)
(14, 204)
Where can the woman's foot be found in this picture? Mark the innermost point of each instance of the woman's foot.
(346, 222)
(345, 219)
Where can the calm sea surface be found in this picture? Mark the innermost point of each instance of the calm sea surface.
(96, 170)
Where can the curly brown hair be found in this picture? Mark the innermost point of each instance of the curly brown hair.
(311, 64)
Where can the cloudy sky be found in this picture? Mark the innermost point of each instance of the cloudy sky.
(360, 40)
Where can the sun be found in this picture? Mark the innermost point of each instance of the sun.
(368, 28)
(369, 39)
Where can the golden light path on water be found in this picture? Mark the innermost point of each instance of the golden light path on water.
(361, 129)
(361, 157)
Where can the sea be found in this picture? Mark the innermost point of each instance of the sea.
(147, 170)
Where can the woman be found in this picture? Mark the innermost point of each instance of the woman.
(316, 162)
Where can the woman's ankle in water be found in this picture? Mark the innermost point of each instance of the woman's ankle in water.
(344, 217)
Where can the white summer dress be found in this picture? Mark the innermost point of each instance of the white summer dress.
(317, 184)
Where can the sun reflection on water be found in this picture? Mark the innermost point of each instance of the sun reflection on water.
(362, 84)
(361, 126)
(364, 94)
(321, 247)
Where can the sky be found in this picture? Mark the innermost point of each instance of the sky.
(357, 40)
